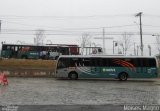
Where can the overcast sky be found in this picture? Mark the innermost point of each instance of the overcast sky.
(66, 20)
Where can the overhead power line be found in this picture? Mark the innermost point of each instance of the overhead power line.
(140, 16)
(151, 25)
(75, 28)
(151, 15)
(65, 17)
(72, 17)
(70, 29)
(93, 34)
(38, 26)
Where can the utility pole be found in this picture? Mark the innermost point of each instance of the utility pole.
(113, 45)
(158, 41)
(103, 39)
(134, 48)
(137, 49)
(104, 50)
(149, 47)
(141, 46)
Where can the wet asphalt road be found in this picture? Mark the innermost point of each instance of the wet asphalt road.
(50, 91)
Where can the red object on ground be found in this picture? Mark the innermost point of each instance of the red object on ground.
(3, 79)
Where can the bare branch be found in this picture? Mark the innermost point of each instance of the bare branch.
(126, 42)
(158, 43)
(85, 40)
(38, 40)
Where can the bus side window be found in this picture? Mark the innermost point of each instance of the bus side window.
(111, 63)
(16, 48)
(139, 63)
(93, 62)
(152, 62)
(144, 62)
(96, 62)
(73, 62)
(4, 47)
(79, 62)
(134, 62)
(131, 61)
(86, 62)
(99, 62)
(104, 62)
(8, 47)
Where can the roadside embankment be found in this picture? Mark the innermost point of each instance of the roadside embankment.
(27, 68)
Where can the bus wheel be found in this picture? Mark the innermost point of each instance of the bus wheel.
(73, 75)
(123, 76)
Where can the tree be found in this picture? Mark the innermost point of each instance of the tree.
(158, 43)
(84, 41)
(38, 40)
(126, 42)
(20, 42)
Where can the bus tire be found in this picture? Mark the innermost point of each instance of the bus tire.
(123, 76)
(73, 75)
